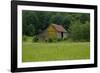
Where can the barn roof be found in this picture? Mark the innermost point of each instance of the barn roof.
(59, 28)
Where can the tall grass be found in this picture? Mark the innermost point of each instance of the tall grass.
(32, 52)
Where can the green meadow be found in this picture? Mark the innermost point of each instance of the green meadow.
(40, 42)
(42, 51)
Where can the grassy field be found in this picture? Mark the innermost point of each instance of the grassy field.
(32, 52)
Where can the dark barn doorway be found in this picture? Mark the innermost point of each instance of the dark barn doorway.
(62, 35)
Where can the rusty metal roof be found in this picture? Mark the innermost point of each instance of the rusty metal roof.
(59, 28)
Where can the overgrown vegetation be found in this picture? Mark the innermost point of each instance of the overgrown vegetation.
(35, 39)
(24, 38)
(63, 50)
(77, 24)
(71, 48)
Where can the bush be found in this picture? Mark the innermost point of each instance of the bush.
(80, 31)
(50, 40)
(24, 38)
(59, 39)
(35, 39)
(65, 39)
(55, 40)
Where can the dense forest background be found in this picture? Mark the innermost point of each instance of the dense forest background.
(77, 24)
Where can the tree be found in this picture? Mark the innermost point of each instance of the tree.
(80, 32)
(77, 24)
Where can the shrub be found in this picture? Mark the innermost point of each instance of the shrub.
(24, 38)
(65, 39)
(35, 39)
(79, 31)
(50, 40)
(59, 39)
(54, 39)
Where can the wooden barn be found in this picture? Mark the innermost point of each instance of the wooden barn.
(53, 31)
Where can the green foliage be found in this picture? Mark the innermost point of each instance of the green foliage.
(65, 38)
(77, 24)
(54, 40)
(24, 38)
(59, 39)
(35, 39)
(50, 40)
(80, 32)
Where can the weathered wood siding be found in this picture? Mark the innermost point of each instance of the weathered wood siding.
(59, 35)
(65, 35)
(52, 33)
